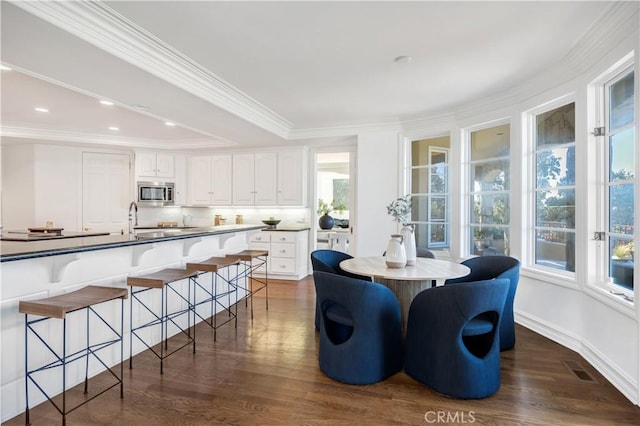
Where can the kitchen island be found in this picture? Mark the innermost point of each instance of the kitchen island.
(44, 268)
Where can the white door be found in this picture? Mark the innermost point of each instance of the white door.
(106, 192)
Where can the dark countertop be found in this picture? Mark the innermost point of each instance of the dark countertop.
(19, 250)
(290, 228)
(43, 236)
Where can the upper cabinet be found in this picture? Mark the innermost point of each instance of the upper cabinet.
(154, 165)
(269, 179)
(291, 178)
(180, 180)
(255, 179)
(209, 180)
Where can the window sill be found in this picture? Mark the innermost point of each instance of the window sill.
(615, 300)
(566, 279)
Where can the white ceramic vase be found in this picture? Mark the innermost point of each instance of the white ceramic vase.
(409, 239)
(396, 256)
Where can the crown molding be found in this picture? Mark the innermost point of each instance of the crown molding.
(101, 26)
(615, 24)
(17, 131)
(344, 130)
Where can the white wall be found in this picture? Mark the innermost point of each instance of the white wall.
(57, 185)
(377, 177)
(18, 181)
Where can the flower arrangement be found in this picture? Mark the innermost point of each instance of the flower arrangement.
(400, 209)
(326, 208)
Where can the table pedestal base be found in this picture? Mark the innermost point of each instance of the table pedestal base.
(405, 291)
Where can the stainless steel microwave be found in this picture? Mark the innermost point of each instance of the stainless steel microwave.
(156, 193)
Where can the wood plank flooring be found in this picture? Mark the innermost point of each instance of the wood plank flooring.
(266, 373)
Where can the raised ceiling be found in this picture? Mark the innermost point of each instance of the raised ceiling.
(249, 74)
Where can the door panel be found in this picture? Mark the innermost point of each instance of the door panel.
(106, 192)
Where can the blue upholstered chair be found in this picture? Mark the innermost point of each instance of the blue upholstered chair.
(421, 252)
(452, 342)
(329, 261)
(486, 268)
(360, 329)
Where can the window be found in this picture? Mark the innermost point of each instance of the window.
(619, 181)
(489, 191)
(430, 192)
(554, 226)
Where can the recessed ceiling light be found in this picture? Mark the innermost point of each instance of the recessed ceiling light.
(170, 124)
(4, 68)
(41, 109)
(108, 103)
(404, 59)
(114, 128)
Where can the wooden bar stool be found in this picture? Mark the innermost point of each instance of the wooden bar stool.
(252, 260)
(58, 307)
(164, 280)
(215, 266)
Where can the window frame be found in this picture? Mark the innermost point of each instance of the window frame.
(468, 190)
(598, 280)
(428, 167)
(556, 276)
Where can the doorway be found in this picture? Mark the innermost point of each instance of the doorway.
(334, 187)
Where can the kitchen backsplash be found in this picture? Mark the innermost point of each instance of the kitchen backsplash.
(198, 216)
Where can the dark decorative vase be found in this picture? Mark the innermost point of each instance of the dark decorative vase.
(325, 222)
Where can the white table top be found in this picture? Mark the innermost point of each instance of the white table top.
(424, 269)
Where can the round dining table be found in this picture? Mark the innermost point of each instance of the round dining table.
(408, 281)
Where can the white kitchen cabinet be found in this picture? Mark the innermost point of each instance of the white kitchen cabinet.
(209, 180)
(255, 179)
(291, 178)
(154, 165)
(288, 252)
(180, 188)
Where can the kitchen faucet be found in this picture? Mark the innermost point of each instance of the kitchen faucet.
(135, 207)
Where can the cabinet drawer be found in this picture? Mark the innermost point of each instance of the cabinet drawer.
(283, 250)
(260, 237)
(280, 265)
(283, 237)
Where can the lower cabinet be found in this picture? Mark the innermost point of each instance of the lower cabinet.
(288, 252)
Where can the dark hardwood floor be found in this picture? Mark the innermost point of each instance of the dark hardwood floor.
(267, 373)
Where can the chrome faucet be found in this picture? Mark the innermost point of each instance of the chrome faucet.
(135, 207)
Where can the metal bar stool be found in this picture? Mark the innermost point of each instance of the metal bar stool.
(58, 307)
(164, 280)
(252, 261)
(215, 266)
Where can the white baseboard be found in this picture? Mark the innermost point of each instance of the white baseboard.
(628, 386)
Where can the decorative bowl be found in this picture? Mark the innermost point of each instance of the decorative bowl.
(271, 222)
